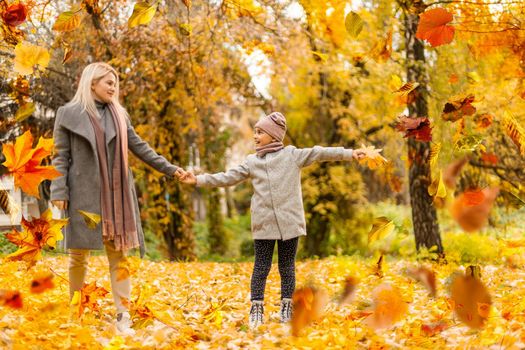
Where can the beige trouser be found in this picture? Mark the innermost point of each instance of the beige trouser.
(78, 263)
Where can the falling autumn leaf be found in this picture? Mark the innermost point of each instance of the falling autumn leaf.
(515, 131)
(349, 290)
(437, 187)
(25, 111)
(434, 154)
(381, 227)
(452, 172)
(27, 56)
(426, 276)
(470, 297)
(23, 162)
(91, 219)
(187, 3)
(483, 121)
(36, 235)
(457, 107)
(489, 158)
(379, 266)
(389, 307)
(42, 282)
(9, 205)
(143, 13)
(417, 128)
(308, 305)
(15, 14)
(382, 50)
(473, 197)
(372, 157)
(67, 21)
(473, 217)
(354, 24)
(433, 27)
(11, 298)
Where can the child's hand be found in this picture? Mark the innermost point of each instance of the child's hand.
(189, 178)
(358, 154)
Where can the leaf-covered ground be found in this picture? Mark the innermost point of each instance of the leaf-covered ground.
(205, 305)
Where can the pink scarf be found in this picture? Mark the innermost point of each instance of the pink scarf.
(118, 218)
(269, 148)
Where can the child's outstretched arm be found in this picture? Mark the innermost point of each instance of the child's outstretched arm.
(306, 156)
(229, 178)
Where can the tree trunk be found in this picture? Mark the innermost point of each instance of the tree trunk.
(424, 218)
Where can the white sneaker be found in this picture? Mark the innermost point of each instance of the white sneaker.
(256, 314)
(124, 324)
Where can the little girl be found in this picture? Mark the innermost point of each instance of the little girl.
(277, 212)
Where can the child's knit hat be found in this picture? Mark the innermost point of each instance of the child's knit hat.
(274, 124)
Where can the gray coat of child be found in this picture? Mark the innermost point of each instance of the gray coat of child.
(277, 210)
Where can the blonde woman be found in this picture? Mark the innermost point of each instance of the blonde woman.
(92, 137)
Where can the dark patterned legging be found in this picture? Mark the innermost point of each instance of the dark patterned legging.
(263, 262)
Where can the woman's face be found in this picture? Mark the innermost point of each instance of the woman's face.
(261, 138)
(104, 89)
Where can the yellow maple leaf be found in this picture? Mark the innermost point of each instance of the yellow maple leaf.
(372, 157)
(23, 162)
(27, 56)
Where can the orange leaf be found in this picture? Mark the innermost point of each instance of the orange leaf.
(308, 304)
(433, 27)
(473, 217)
(36, 234)
(372, 157)
(11, 298)
(452, 171)
(473, 197)
(489, 158)
(42, 282)
(389, 307)
(23, 162)
(470, 297)
(425, 276)
(88, 297)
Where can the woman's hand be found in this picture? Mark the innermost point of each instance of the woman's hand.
(62, 205)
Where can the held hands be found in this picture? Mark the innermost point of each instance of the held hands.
(186, 177)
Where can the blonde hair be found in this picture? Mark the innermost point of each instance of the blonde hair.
(92, 73)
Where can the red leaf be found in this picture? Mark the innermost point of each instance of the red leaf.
(489, 158)
(11, 298)
(433, 27)
(15, 14)
(457, 107)
(417, 128)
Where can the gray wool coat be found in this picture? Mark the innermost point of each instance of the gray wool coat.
(277, 210)
(76, 158)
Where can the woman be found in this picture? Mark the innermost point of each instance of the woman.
(92, 136)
